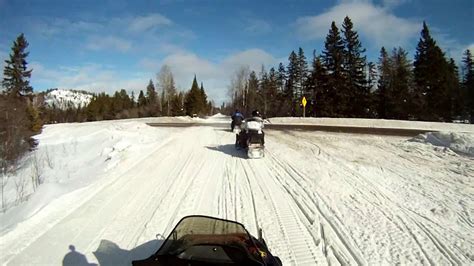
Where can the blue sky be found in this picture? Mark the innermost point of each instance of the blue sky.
(115, 44)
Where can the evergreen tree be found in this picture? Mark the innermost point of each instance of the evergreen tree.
(301, 75)
(457, 99)
(291, 83)
(281, 84)
(262, 91)
(382, 93)
(333, 58)
(132, 100)
(141, 99)
(317, 89)
(16, 76)
(252, 102)
(203, 100)
(19, 118)
(151, 93)
(354, 66)
(432, 73)
(177, 104)
(468, 83)
(193, 99)
(281, 77)
(271, 93)
(401, 84)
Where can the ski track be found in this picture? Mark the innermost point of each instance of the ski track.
(290, 194)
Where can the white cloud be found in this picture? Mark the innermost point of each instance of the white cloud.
(108, 43)
(214, 75)
(184, 65)
(254, 58)
(90, 77)
(144, 23)
(470, 47)
(376, 23)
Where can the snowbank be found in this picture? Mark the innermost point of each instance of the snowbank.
(458, 142)
(375, 123)
(72, 156)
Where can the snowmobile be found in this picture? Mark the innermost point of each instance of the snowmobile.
(205, 240)
(252, 139)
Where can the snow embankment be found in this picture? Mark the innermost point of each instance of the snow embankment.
(462, 143)
(374, 123)
(70, 157)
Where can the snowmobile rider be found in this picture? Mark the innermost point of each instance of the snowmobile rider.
(252, 130)
(237, 119)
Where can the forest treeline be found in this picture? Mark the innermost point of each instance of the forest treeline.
(122, 105)
(340, 82)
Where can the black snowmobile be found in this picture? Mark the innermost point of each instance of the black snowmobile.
(203, 240)
(252, 139)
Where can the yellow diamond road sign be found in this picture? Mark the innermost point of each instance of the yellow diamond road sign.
(304, 101)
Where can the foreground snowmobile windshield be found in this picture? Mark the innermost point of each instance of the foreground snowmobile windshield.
(205, 238)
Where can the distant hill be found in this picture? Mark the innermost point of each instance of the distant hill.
(64, 99)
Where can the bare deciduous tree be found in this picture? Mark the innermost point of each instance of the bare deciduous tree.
(165, 84)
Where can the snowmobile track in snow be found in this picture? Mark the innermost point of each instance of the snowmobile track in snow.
(317, 197)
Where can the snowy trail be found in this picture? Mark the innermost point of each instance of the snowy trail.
(319, 198)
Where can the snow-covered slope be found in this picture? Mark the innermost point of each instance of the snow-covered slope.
(320, 198)
(64, 99)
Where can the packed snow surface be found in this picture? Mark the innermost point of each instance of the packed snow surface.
(320, 198)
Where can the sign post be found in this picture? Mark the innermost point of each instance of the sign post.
(304, 106)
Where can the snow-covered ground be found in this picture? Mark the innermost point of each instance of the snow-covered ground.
(320, 198)
(373, 123)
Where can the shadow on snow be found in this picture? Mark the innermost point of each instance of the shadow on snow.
(109, 253)
(230, 150)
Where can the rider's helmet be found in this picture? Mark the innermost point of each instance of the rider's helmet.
(256, 113)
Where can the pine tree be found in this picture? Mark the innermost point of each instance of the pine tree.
(457, 99)
(271, 92)
(401, 84)
(252, 101)
(354, 66)
(16, 76)
(291, 83)
(151, 93)
(382, 93)
(281, 83)
(132, 99)
(203, 100)
(432, 73)
(317, 89)
(468, 83)
(141, 99)
(193, 99)
(281, 77)
(301, 75)
(19, 118)
(333, 58)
